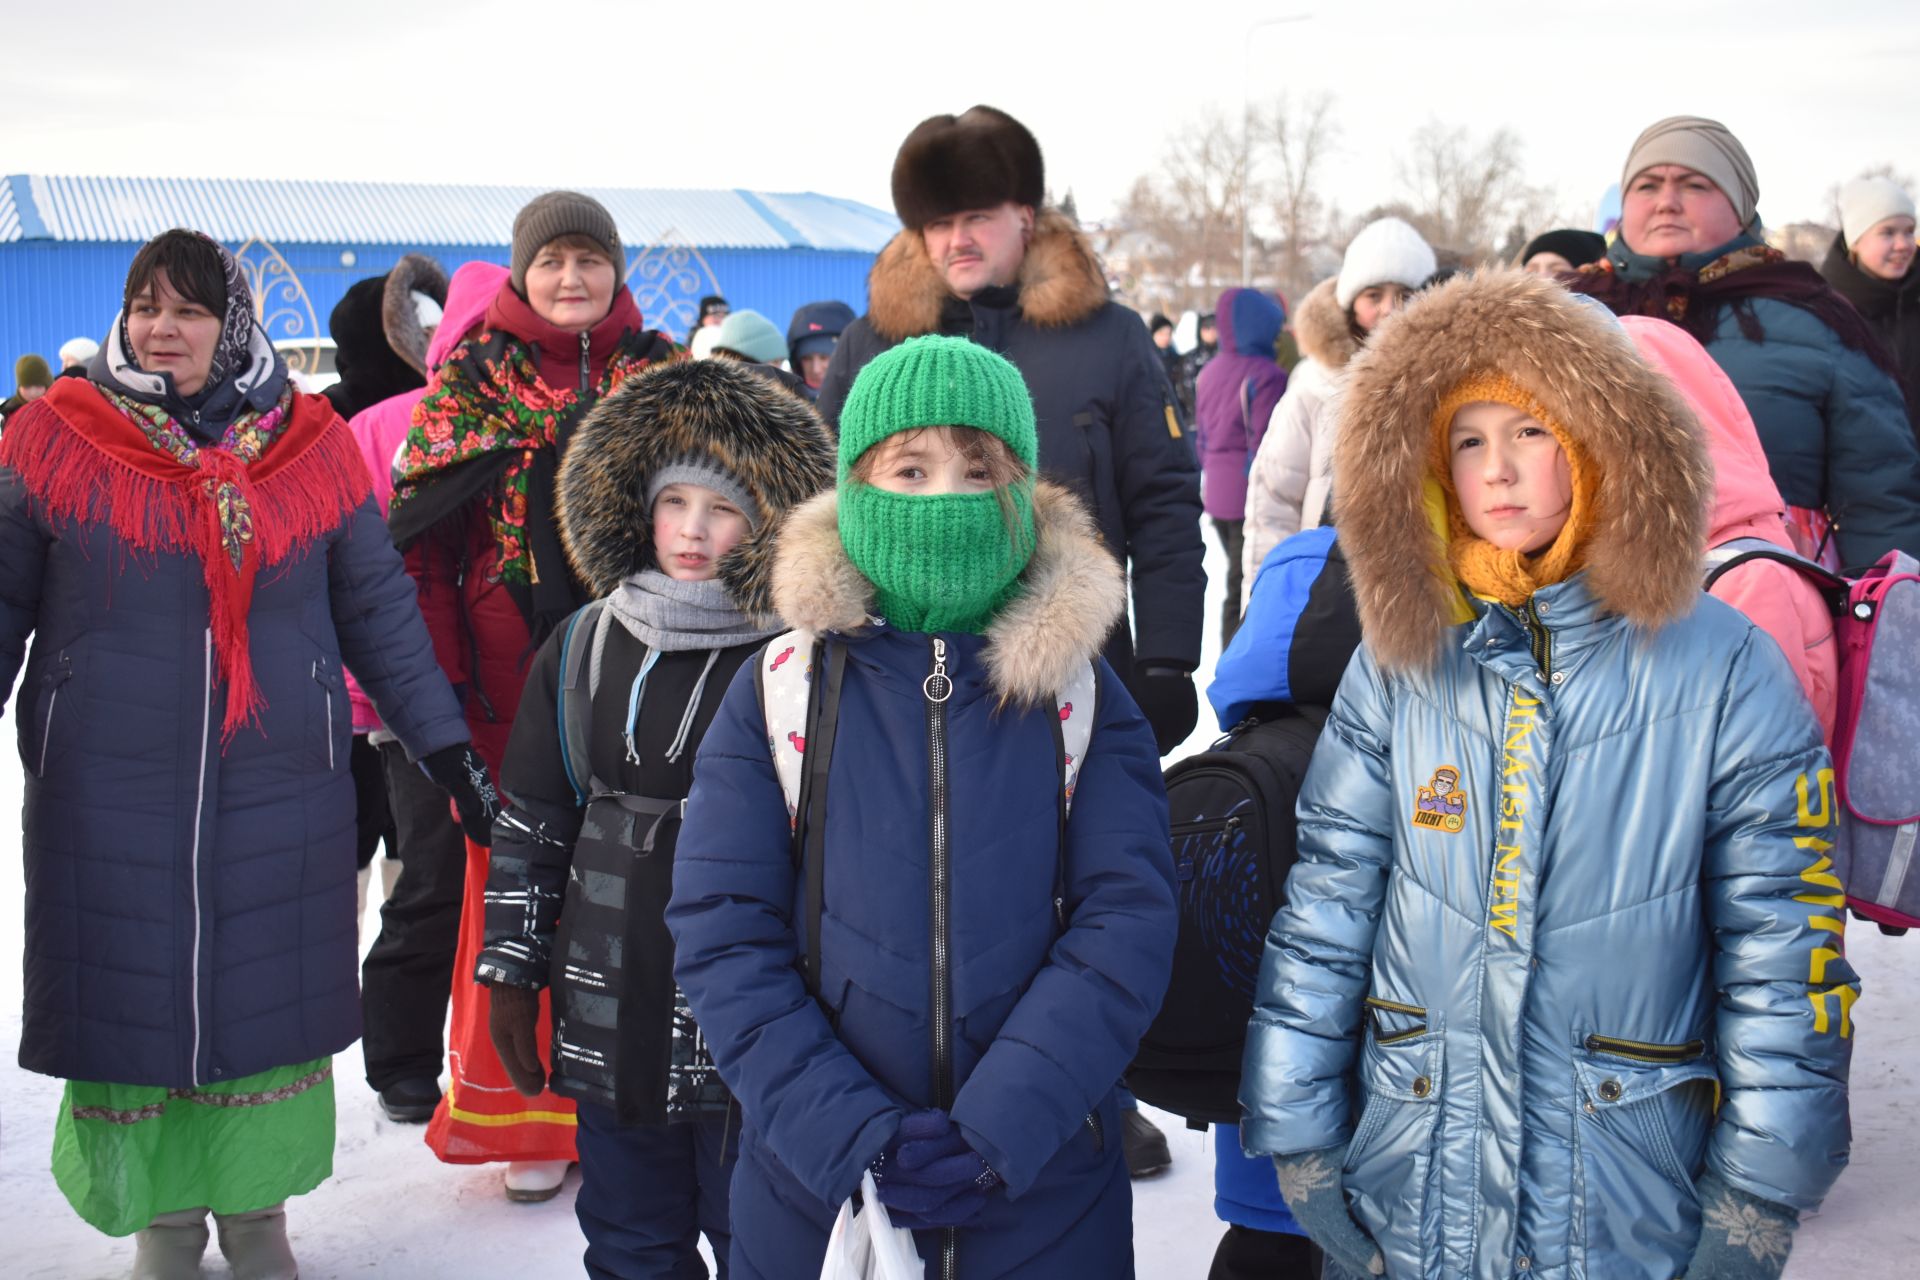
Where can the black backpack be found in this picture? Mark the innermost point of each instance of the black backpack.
(1233, 843)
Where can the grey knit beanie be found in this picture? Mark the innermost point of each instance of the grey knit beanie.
(706, 472)
(561, 213)
(1704, 146)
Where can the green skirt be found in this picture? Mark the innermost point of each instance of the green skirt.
(123, 1153)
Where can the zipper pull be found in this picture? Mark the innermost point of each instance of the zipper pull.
(937, 686)
(585, 343)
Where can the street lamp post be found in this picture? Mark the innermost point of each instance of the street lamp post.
(1246, 138)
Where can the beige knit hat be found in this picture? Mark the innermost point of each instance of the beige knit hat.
(1705, 146)
(1867, 202)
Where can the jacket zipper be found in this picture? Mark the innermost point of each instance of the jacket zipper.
(46, 730)
(327, 693)
(1205, 824)
(1644, 1052)
(1539, 639)
(585, 343)
(1384, 1038)
(1098, 1131)
(199, 811)
(937, 688)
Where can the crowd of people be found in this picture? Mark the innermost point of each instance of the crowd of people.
(768, 729)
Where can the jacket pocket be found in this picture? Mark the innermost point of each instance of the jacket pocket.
(1389, 1167)
(1393, 1022)
(1642, 1113)
(46, 710)
(331, 717)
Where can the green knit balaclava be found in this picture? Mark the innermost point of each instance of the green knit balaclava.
(938, 562)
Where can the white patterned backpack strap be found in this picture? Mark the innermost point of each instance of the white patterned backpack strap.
(784, 679)
(1074, 705)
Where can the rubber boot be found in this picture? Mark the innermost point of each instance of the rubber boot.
(169, 1248)
(532, 1181)
(255, 1244)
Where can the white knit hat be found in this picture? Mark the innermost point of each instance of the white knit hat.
(1385, 252)
(1867, 202)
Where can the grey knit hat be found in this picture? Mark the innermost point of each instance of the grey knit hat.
(753, 336)
(561, 213)
(1704, 146)
(708, 474)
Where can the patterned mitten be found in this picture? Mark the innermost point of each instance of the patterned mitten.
(1742, 1237)
(1310, 1184)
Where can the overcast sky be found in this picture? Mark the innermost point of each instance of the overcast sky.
(817, 95)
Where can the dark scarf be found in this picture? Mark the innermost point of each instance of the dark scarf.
(1691, 291)
(492, 430)
(273, 484)
(248, 375)
(1872, 297)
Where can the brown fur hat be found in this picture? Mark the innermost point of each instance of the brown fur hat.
(764, 436)
(1072, 593)
(976, 160)
(415, 271)
(1655, 483)
(1061, 281)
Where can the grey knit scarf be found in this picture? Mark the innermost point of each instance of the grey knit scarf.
(671, 616)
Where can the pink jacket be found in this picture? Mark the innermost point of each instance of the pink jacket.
(1748, 505)
(380, 428)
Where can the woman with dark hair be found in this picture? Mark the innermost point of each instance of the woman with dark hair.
(191, 547)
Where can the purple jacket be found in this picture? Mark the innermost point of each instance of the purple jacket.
(379, 429)
(1234, 396)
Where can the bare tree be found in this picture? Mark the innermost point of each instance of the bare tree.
(1178, 230)
(1298, 136)
(1466, 193)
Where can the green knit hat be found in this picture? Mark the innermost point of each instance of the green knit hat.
(937, 381)
(32, 371)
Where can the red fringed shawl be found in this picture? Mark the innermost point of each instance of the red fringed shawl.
(83, 460)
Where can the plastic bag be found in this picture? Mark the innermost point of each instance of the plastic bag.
(867, 1246)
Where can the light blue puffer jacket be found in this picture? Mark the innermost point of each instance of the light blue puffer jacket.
(1518, 996)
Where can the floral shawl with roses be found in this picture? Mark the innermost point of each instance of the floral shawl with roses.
(490, 429)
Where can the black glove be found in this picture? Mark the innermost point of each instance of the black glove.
(513, 1021)
(462, 774)
(1168, 701)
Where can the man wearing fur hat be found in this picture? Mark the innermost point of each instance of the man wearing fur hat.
(982, 257)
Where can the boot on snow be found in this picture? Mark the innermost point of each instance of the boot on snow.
(1144, 1144)
(255, 1244)
(169, 1248)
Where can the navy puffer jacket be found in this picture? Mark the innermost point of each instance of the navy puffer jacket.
(190, 909)
(1043, 1020)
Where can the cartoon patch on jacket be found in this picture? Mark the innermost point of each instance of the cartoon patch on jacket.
(1441, 804)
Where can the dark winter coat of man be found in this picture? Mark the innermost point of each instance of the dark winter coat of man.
(980, 256)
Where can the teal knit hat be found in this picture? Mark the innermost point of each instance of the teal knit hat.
(937, 381)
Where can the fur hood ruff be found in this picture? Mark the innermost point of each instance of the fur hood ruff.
(766, 437)
(1321, 331)
(1074, 594)
(1655, 482)
(1061, 282)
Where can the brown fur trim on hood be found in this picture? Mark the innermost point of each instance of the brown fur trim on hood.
(761, 434)
(1321, 329)
(1061, 281)
(1655, 482)
(1074, 593)
(398, 318)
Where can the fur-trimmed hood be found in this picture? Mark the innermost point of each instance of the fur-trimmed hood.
(1061, 282)
(1654, 489)
(415, 271)
(766, 437)
(1321, 330)
(1073, 593)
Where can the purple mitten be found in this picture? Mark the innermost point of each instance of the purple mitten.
(929, 1177)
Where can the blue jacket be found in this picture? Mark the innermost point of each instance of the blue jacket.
(1834, 425)
(190, 912)
(1043, 1021)
(1564, 932)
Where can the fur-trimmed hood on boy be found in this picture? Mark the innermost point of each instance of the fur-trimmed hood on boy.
(1654, 481)
(764, 436)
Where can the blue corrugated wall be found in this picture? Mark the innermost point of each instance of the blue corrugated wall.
(51, 291)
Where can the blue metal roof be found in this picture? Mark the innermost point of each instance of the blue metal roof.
(52, 207)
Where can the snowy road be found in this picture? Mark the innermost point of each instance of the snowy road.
(392, 1211)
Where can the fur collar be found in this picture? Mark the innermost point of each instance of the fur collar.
(397, 315)
(1061, 282)
(1074, 593)
(1321, 330)
(1655, 483)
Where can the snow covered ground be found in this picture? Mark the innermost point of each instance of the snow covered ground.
(392, 1210)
